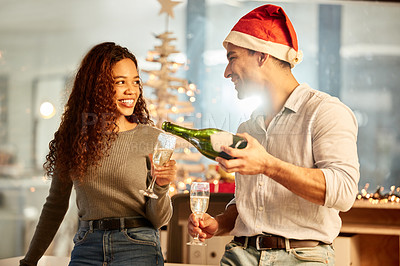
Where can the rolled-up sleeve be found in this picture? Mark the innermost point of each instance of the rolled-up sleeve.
(335, 153)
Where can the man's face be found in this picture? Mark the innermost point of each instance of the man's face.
(242, 69)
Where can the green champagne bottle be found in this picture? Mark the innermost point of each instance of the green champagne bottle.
(207, 141)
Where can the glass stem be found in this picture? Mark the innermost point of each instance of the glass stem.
(198, 217)
(153, 180)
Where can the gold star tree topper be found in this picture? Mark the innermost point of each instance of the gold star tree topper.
(167, 6)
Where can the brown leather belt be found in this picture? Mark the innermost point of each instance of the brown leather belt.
(265, 242)
(115, 223)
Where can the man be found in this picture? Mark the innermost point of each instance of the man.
(300, 167)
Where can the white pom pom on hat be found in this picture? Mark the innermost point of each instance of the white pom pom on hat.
(267, 29)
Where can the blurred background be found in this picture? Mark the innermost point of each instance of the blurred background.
(351, 50)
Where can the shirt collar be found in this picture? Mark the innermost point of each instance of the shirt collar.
(293, 103)
(296, 98)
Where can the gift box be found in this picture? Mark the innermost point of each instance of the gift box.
(222, 187)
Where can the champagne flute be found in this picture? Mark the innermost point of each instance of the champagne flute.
(199, 198)
(162, 154)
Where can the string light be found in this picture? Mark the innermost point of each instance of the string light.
(175, 66)
(181, 185)
(379, 197)
(192, 86)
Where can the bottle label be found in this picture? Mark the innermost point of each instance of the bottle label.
(219, 139)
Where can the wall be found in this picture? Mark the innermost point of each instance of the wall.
(44, 40)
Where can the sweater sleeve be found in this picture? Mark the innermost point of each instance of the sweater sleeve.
(53, 213)
(159, 211)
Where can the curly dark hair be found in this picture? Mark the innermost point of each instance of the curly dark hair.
(88, 125)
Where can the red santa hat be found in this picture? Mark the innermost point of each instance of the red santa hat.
(267, 29)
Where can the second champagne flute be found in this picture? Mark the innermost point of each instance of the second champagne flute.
(162, 154)
(199, 198)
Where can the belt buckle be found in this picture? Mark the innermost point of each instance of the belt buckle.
(258, 242)
(101, 224)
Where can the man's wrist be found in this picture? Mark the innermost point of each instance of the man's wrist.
(271, 166)
(218, 221)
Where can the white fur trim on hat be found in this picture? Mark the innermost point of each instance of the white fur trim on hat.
(280, 51)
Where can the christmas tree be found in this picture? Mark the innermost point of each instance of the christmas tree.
(172, 100)
(167, 87)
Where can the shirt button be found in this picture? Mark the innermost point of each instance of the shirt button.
(260, 208)
(261, 183)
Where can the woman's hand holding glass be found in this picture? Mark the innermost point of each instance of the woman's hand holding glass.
(165, 174)
(164, 169)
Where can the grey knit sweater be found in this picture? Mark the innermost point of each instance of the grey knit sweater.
(110, 190)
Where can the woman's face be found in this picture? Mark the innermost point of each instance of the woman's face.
(126, 86)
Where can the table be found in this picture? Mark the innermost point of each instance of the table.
(45, 261)
(61, 261)
(375, 229)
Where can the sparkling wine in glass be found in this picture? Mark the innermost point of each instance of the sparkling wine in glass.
(199, 198)
(162, 154)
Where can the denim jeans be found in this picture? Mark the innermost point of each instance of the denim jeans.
(236, 254)
(134, 246)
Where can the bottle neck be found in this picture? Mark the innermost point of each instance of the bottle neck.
(178, 130)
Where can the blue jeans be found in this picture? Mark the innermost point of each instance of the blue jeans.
(134, 246)
(236, 254)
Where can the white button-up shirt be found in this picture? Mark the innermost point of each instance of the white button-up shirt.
(313, 130)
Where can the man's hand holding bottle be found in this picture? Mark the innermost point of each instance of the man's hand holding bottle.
(253, 159)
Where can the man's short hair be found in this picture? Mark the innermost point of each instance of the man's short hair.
(279, 62)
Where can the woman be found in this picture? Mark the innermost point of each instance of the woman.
(101, 149)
